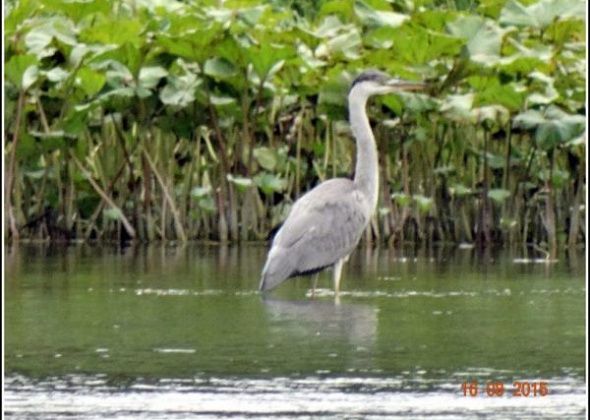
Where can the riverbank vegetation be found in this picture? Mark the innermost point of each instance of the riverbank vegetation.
(163, 120)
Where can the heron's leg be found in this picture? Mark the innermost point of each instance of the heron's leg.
(337, 275)
(314, 284)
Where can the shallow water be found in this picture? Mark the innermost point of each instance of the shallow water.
(169, 332)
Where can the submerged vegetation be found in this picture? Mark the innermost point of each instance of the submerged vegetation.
(160, 120)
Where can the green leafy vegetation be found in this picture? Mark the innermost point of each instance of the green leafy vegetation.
(158, 120)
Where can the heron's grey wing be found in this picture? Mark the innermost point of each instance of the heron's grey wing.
(323, 226)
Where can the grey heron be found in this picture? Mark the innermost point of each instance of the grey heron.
(326, 223)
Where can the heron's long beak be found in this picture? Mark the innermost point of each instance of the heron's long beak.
(406, 85)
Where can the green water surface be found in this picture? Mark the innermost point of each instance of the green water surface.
(174, 312)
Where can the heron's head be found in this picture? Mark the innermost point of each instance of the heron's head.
(375, 82)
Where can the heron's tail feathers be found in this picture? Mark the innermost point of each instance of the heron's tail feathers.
(277, 269)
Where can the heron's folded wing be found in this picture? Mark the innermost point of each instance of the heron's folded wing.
(324, 227)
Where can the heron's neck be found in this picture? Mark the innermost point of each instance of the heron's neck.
(366, 175)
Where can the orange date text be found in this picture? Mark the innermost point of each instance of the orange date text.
(498, 389)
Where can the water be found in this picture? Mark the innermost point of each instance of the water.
(170, 333)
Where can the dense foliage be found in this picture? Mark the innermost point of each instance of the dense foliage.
(158, 119)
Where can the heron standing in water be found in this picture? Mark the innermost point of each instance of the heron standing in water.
(326, 224)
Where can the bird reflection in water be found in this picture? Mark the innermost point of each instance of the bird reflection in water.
(354, 326)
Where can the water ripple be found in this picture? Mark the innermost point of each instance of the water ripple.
(352, 397)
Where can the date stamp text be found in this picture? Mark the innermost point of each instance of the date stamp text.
(498, 389)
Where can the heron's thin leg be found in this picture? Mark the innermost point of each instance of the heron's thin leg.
(314, 285)
(337, 275)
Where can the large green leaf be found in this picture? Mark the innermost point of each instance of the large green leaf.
(90, 81)
(270, 183)
(546, 94)
(75, 121)
(266, 57)
(113, 213)
(30, 76)
(552, 127)
(17, 12)
(241, 183)
(414, 44)
(418, 103)
(458, 107)
(382, 37)
(180, 90)
(39, 40)
(207, 204)
(77, 9)
(114, 31)
(515, 13)
(491, 113)
(344, 9)
(484, 38)
(117, 74)
(542, 13)
(490, 91)
(498, 195)
(200, 192)
(434, 19)
(372, 17)
(558, 179)
(193, 45)
(57, 74)
(16, 68)
(495, 161)
(126, 54)
(307, 56)
(251, 15)
(328, 28)
(530, 119)
(460, 190)
(346, 43)
(204, 198)
(219, 68)
(425, 204)
(150, 76)
(119, 98)
(266, 157)
(221, 100)
(402, 199)
(525, 59)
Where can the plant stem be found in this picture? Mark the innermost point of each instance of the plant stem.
(177, 224)
(12, 167)
(550, 210)
(130, 230)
